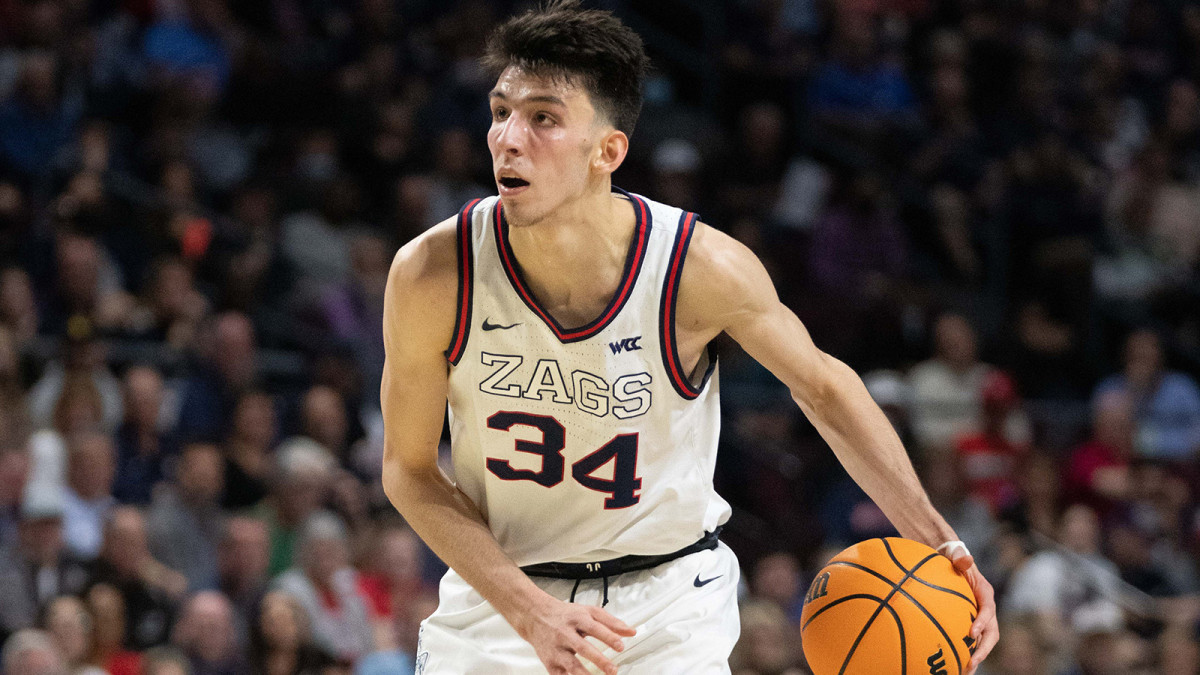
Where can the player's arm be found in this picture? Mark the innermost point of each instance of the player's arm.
(418, 318)
(725, 288)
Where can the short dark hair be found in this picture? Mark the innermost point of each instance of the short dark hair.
(586, 47)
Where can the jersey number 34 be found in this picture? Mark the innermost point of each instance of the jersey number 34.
(621, 450)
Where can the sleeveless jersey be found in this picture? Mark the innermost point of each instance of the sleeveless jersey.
(588, 443)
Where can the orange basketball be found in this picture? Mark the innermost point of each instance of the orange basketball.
(888, 606)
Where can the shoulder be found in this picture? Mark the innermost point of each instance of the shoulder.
(425, 270)
(429, 259)
(722, 278)
(421, 297)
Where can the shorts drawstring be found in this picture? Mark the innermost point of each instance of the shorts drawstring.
(573, 589)
(602, 604)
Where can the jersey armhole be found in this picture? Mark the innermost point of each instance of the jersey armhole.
(464, 255)
(680, 378)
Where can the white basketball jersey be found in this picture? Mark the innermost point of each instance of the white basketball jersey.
(586, 443)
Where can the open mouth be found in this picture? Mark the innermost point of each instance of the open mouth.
(513, 183)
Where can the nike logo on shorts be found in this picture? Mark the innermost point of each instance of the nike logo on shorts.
(698, 583)
(496, 326)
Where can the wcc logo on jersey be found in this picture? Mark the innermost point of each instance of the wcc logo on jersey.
(626, 345)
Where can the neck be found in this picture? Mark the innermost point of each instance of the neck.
(587, 229)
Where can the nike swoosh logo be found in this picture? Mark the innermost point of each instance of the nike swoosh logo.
(496, 326)
(698, 583)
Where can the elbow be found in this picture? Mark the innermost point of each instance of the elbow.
(394, 480)
(821, 384)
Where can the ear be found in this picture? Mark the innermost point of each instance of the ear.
(611, 152)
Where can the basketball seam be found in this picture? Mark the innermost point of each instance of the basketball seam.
(895, 588)
(883, 604)
(926, 583)
(927, 613)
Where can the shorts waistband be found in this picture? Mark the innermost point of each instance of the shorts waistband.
(629, 563)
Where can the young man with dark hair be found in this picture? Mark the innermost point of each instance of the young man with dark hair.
(567, 323)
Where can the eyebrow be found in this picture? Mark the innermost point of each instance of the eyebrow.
(545, 98)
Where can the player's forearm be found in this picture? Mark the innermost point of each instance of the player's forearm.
(866, 444)
(453, 528)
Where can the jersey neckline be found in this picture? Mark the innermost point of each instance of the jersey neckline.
(633, 265)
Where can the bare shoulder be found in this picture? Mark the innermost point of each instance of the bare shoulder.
(722, 282)
(422, 288)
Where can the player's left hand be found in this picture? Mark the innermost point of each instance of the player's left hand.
(985, 631)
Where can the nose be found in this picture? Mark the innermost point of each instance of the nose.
(511, 136)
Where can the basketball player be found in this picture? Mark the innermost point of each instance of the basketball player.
(567, 324)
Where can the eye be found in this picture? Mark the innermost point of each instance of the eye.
(500, 113)
(543, 119)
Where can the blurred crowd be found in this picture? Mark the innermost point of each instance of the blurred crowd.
(990, 208)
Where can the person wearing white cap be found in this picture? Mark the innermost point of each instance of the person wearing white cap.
(39, 568)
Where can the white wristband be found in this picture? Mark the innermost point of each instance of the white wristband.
(947, 549)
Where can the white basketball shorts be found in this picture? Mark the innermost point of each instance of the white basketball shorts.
(684, 611)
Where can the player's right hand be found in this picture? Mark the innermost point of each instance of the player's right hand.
(559, 630)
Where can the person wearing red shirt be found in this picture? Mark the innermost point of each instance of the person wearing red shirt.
(1097, 472)
(990, 460)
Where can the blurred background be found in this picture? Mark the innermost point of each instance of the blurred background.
(989, 208)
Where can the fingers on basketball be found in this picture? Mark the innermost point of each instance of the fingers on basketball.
(884, 607)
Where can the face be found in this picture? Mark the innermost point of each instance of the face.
(246, 550)
(279, 622)
(69, 623)
(955, 340)
(546, 140)
(201, 473)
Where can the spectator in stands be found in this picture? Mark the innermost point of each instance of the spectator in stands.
(81, 366)
(243, 557)
(171, 307)
(300, 484)
(14, 471)
(18, 310)
(187, 45)
(1167, 402)
(107, 606)
(990, 461)
(392, 578)
(858, 244)
(150, 591)
(38, 569)
(323, 419)
(353, 309)
(947, 388)
(88, 495)
(229, 366)
(39, 121)
(327, 588)
(1020, 652)
(86, 287)
(69, 623)
(165, 661)
(143, 445)
(32, 652)
(857, 89)
(184, 524)
(1071, 584)
(248, 450)
(970, 515)
(205, 633)
(316, 243)
(777, 579)
(1098, 472)
(281, 641)
(767, 645)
